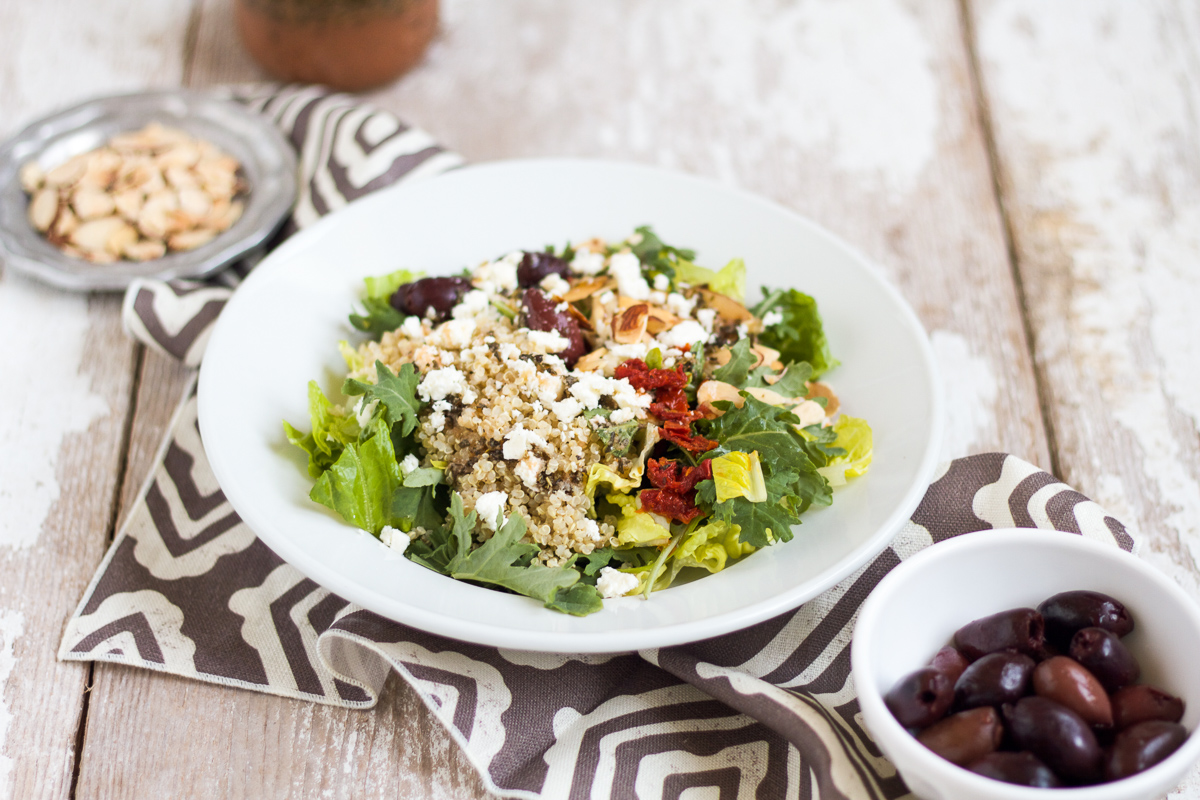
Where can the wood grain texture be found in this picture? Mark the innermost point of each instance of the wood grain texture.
(68, 369)
(1094, 107)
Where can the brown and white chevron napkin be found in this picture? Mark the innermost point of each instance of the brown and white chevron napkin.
(768, 712)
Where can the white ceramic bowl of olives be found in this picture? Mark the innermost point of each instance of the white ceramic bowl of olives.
(989, 585)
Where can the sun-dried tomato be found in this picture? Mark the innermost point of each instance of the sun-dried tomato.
(675, 477)
(642, 377)
(677, 507)
(670, 403)
(693, 443)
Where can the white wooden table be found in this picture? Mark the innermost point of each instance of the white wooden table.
(1028, 173)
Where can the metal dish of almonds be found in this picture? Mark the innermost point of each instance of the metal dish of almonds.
(81, 206)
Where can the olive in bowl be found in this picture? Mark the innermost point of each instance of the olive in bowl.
(918, 608)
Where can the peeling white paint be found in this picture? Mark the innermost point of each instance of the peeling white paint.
(12, 626)
(971, 389)
(1116, 173)
(46, 398)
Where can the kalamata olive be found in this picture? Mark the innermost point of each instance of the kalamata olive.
(542, 314)
(951, 662)
(1068, 612)
(920, 698)
(1141, 746)
(1066, 682)
(536, 266)
(439, 294)
(1105, 656)
(1135, 704)
(1056, 735)
(964, 737)
(1019, 629)
(1022, 768)
(994, 679)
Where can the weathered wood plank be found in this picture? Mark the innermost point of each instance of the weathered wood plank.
(1094, 108)
(68, 371)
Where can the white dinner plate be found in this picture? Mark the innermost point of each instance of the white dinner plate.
(282, 326)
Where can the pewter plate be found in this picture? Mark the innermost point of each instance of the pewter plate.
(268, 164)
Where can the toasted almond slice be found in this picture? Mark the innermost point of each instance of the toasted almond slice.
(727, 308)
(223, 215)
(67, 173)
(629, 326)
(43, 208)
(183, 155)
(145, 250)
(590, 362)
(153, 219)
(121, 238)
(819, 389)
(129, 203)
(584, 322)
(710, 392)
(722, 356)
(66, 223)
(91, 203)
(103, 166)
(764, 355)
(181, 178)
(189, 240)
(99, 256)
(585, 288)
(195, 202)
(769, 396)
(810, 413)
(32, 176)
(594, 245)
(93, 236)
(660, 320)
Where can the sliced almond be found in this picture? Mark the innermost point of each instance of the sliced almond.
(630, 324)
(99, 256)
(183, 155)
(660, 320)
(181, 177)
(585, 288)
(584, 322)
(594, 245)
(145, 250)
(32, 176)
(129, 203)
(810, 413)
(103, 166)
(764, 355)
(66, 223)
(155, 219)
(229, 214)
(121, 238)
(43, 208)
(93, 236)
(590, 362)
(67, 173)
(710, 392)
(188, 240)
(90, 203)
(819, 389)
(195, 202)
(727, 308)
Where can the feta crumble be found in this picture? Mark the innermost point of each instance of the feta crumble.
(588, 263)
(528, 469)
(408, 464)
(706, 317)
(394, 538)
(772, 318)
(518, 440)
(567, 410)
(614, 583)
(363, 413)
(554, 285)
(679, 305)
(553, 341)
(439, 384)
(490, 507)
(412, 328)
(661, 282)
(626, 268)
(685, 333)
(471, 304)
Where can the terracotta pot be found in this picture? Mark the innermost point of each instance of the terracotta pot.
(345, 44)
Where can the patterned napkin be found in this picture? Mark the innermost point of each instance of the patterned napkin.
(769, 711)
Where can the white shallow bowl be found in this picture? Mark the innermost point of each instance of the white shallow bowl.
(281, 328)
(916, 609)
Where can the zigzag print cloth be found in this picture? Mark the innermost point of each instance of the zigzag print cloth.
(767, 712)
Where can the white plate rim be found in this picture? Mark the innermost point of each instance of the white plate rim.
(608, 642)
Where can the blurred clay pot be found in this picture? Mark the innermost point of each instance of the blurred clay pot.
(344, 44)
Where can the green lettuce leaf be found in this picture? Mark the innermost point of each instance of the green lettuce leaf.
(800, 336)
(618, 440)
(396, 393)
(766, 522)
(578, 601)
(360, 484)
(854, 437)
(657, 256)
(382, 287)
(731, 280)
(331, 432)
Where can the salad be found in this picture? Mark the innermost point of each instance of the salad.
(582, 423)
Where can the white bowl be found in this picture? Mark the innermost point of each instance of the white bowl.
(916, 609)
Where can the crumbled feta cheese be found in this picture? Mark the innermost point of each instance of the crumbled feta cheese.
(509, 352)
(614, 583)
(504, 272)
(518, 440)
(683, 334)
(412, 328)
(628, 397)
(621, 415)
(706, 317)
(555, 363)
(772, 318)
(679, 305)
(441, 405)
(634, 350)
(591, 530)
(606, 297)
(588, 263)
(456, 333)
(554, 285)
(438, 420)
(490, 507)
(409, 463)
(743, 331)
(658, 298)
(363, 413)
(394, 538)
(549, 387)
(567, 410)
(528, 469)
(470, 305)
(489, 340)
(553, 341)
(438, 384)
(525, 370)
(661, 282)
(590, 387)
(626, 268)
